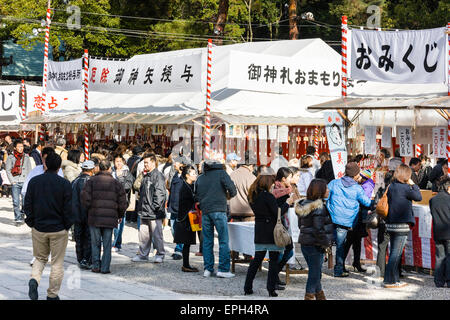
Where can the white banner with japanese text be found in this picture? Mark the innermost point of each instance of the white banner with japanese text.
(278, 74)
(412, 56)
(9, 99)
(62, 100)
(65, 76)
(386, 137)
(404, 139)
(439, 142)
(175, 74)
(370, 140)
(334, 127)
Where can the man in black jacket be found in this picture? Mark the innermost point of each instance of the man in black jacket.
(81, 227)
(440, 211)
(212, 189)
(48, 209)
(151, 210)
(437, 173)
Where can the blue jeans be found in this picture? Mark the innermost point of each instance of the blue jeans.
(17, 199)
(99, 235)
(219, 220)
(118, 234)
(340, 234)
(314, 258)
(179, 246)
(398, 241)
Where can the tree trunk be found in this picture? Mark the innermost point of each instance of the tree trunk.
(221, 20)
(293, 30)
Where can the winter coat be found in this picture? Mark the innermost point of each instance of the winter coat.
(400, 196)
(212, 188)
(131, 164)
(36, 156)
(265, 208)
(152, 196)
(305, 179)
(368, 187)
(343, 202)
(26, 168)
(105, 199)
(243, 178)
(435, 174)
(126, 178)
(183, 231)
(316, 227)
(70, 169)
(48, 203)
(326, 171)
(440, 211)
(63, 153)
(173, 202)
(80, 213)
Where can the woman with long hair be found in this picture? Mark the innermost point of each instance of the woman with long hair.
(265, 208)
(183, 232)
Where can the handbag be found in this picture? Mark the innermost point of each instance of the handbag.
(195, 219)
(280, 234)
(132, 204)
(383, 206)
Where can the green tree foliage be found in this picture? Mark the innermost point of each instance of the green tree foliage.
(123, 28)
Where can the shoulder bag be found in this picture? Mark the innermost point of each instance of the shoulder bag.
(382, 208)
(280, 234)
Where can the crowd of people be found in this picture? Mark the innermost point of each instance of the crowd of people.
(57, 192)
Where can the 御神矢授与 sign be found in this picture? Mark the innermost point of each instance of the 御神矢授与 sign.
(412, 56)
(175, 74)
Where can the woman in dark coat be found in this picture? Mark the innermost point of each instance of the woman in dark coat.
(183, 231)
(316, 234)
(264, 205)
(402, 191)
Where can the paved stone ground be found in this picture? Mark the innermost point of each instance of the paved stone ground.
(136, 281)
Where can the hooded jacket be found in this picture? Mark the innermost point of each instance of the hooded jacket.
(343, 202)
(440, 211)
(316, 227)
(212, 188)
(80, 213)
(70, 169)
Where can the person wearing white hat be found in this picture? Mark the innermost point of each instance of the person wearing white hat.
(81, 231)
(232, 162)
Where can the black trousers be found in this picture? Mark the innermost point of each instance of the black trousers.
(82, 237)
(353, 240)
(254, 266)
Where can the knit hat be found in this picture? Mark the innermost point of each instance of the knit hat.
(366, 174)
(352, 169)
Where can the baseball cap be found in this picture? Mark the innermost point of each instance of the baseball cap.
(88, 165)
(233, 156)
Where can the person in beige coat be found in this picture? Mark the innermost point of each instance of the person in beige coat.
(60, 148)
(240, 209)
(71, 167)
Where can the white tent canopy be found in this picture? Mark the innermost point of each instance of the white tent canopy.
(243, 105)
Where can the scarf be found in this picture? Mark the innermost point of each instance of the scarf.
(279, 190)
(17, 169)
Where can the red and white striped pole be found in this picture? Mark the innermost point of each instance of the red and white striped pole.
(86, 106)
(207, 152)
(418, 150)
(344, 56)
(316, 142)
(448, 85)
(22, 87)
(41, 132)
(86, 142)
(45, 75)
